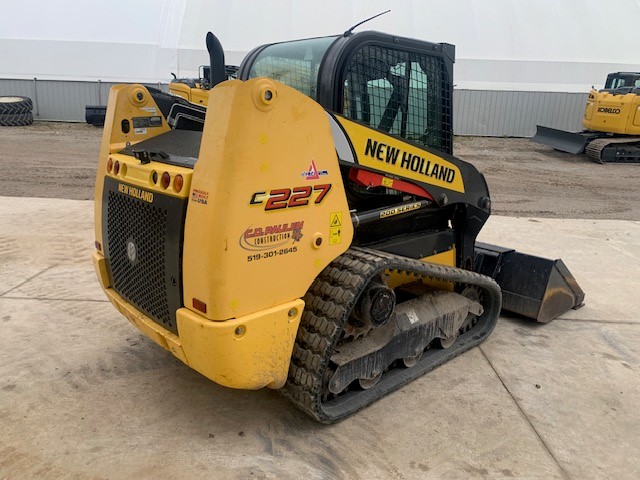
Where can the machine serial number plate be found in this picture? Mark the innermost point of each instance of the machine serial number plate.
(146, 122)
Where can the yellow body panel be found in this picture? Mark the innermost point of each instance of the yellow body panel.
(126, 102)
(267, 212)
(606, 112)
(268, 209)
(386, 153)
(133, 173)
(194, 95)
(249, 352)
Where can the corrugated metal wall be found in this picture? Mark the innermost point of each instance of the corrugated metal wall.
(59, 100)
(515, 114)
(476, 112)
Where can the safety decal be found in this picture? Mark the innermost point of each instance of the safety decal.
(335, 228)
(146, 122)
(279, 198)
(313, 173)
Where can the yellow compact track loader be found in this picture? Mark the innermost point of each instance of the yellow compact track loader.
(611, 121)
(308, 230)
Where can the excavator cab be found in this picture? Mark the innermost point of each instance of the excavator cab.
(619, 80)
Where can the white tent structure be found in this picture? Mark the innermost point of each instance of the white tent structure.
(504, 48)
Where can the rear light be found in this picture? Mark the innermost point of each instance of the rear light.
(199, 305)
(116, 167)
(109, 165)
(98, 246)
(165, 180)
(178, 182)
(154, 177)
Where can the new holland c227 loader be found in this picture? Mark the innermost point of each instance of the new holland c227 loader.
(308, 230)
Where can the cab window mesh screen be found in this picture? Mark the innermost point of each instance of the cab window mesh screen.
(402, 93)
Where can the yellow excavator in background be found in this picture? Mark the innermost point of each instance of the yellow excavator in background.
(611, 121)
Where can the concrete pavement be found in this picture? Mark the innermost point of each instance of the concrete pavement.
(84, 395)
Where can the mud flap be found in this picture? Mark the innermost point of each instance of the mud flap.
(536, 287)
(564, 141)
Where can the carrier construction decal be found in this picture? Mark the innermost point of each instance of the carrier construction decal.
(280, 238)
(388, 154)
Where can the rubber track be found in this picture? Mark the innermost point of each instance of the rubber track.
(328, 303)
(595, 147)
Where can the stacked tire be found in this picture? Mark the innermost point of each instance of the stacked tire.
(15, 111)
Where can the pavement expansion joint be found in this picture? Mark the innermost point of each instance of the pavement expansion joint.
(525, 416)
(56, 299)
(28, 280)
(603, 322)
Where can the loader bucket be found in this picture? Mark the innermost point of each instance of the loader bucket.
(560, 140)
(535, 287)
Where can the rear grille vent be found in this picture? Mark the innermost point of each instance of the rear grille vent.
(136, 234)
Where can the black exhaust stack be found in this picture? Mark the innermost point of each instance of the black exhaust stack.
(217, 71)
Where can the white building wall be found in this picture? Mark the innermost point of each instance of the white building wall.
(508, 52)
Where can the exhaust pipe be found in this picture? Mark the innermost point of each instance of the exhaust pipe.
(217, 71)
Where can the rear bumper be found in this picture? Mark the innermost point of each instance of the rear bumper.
(248, 352)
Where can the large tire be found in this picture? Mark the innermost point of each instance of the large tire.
(16, 119)
(13, 105)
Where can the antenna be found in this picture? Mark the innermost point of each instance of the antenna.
(350, 31)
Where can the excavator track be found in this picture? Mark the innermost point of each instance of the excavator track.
(328, 305)
(624, 150)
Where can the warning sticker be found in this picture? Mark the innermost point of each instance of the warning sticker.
(335, 235)
(335, 228)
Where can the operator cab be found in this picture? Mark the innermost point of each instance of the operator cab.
(622, 83)
(399, 86)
